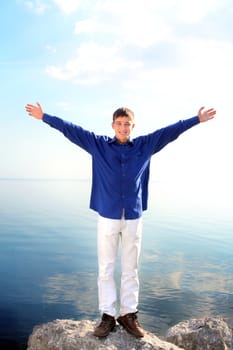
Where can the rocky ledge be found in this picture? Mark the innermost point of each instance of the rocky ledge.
(199, 334)
(77, 335)
(210, 333)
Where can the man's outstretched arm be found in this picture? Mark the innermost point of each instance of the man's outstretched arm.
(76, 134)
(35, 110)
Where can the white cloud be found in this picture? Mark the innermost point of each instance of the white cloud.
(68, 6)
(39, 6)
(85, 26)
(136, 11)
(93, 64)
(132, 22)
(201, 63)
(143, 30)
(210, 54)
(192, 11)
(124, 43)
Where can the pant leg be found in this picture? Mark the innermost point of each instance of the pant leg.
(108, 241)
(131, 246)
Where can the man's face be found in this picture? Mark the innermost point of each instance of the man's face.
(123, 127)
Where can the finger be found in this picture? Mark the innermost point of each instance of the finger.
(28, 109)
(201, 109)
(38, 105)
(211, 111)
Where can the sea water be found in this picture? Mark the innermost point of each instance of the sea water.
(48, 260)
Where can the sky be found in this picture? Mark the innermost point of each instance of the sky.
(82, 59)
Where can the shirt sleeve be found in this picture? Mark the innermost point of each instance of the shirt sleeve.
(76, 134)
(160, 138)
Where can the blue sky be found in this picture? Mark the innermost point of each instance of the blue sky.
(82, 59)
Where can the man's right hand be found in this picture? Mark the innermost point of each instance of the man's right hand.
(35, 110)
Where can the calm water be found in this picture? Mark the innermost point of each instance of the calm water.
(48, 256)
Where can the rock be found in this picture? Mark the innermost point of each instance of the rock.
(212, 333)
(77, 335)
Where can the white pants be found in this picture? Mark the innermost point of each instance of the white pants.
(109, 233)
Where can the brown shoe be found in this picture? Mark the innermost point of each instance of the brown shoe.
(131, 324)
(105, 327)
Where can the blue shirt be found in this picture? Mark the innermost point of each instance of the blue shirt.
(120, 172)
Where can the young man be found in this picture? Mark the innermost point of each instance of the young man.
(119, 195)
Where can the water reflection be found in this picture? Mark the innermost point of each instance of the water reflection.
(165, 298)
(78, 289)
(170, 297)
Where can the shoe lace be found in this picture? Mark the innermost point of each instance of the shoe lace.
(133, 316)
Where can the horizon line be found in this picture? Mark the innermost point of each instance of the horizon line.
(42, 179)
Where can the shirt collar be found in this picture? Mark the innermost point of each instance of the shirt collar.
(114, 140)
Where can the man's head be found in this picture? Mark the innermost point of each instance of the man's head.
(123, 124)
